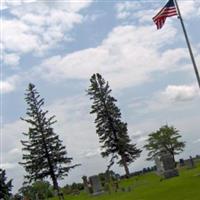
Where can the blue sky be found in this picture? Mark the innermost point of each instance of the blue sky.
(58, 45)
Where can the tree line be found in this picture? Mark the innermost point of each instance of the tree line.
(44, 155)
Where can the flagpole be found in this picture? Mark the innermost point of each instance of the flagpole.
(188, 43)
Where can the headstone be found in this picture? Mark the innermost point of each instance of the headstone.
(190, 163)
(197, 156)
(181, 162)
(159, 165)
(169, 166)
(166, 166)
(96, 185)
(86, 184)
(115, 186)
(129, 189)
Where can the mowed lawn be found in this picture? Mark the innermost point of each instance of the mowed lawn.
(149, 187)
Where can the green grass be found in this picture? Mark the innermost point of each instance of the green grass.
(149, 187)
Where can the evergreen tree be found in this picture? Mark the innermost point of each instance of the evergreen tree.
(44, 156)
(5, 187)
(112, 131)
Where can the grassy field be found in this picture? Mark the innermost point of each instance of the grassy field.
(149, 187)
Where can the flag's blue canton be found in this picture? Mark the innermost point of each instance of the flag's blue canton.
(168, 10)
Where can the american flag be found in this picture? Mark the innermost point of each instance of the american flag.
(168, 10)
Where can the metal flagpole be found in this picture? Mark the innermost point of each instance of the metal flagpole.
(188, 43)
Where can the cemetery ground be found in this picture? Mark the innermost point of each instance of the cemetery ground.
(150, 187)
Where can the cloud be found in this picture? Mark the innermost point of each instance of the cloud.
(91, 153)
(179, 93)
(189, 8)
(125, 9)
(139, 137)
(11, 59)
(28, 35)
(171, 99)
(132, 10)
(68, 5)
(39, 26)
(21, 40)
(174, 98)
(75, 125)
(9, 84)
(127, 57)
(11, 137)
(197, 141)
(6, 87)
(7, 166)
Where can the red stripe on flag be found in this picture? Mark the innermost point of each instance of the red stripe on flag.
(165, 12)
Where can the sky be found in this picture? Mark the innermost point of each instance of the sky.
(58, 45)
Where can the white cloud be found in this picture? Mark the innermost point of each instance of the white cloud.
(132, 10)
(75, 124)
(21, 40)
(11, 154)
(127, 57)
(6, 87)
(29, 35)
(5, 4)
(7, 166)
(175, 97)
(69, 5)
(91, 153)
(14, 151)
(176, 93)
(197, 141)
(9, 84)
(39, 26)
(125, 9)
(189, 8)
(11, 135)
(11, 59)
(172, 99)
(139, 137)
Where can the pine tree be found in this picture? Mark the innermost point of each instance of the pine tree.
(44, 156)
(112, 131)
(5, 187)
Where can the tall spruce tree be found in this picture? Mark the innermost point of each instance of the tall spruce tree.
(112, 131)
(44, 156)
(5, 186)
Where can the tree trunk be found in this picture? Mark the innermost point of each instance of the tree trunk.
(55, 184)
(174, 159)
(56, 188)
(125, 167)
(51, 169)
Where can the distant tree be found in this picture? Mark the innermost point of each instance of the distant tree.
(44, 156)
(112, 132)
(164, 140)
(66, 189)
(17, 197)
(5, 186)
(26, 191)
(38, 190)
